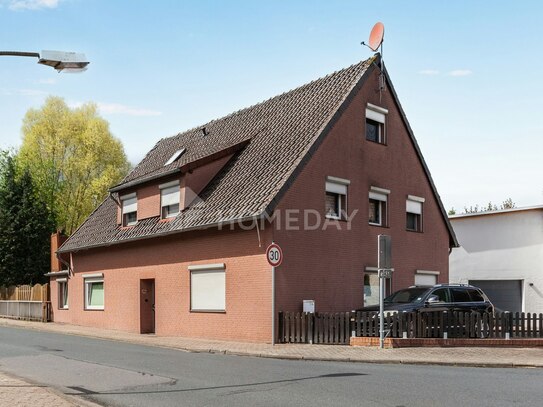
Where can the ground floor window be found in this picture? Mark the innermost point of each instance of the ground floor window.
(208, 288)
(426, 278)
(371, 287)
(94, 293)
(62, 293)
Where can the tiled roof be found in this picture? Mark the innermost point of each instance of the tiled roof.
(281, 131)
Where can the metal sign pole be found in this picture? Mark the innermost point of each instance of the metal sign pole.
(384, 266)
(273, 305)
(274, 254)
(381, 310)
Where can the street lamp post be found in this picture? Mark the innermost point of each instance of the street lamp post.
(60, 60)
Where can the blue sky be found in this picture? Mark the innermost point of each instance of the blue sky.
(468, 73)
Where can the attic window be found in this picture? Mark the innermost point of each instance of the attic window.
(175, 156)
(375, 123)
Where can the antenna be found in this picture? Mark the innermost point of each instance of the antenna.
(375, 42)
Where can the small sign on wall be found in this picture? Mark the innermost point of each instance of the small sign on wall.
(309, 306)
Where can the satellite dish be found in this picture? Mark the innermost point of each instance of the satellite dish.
(376, 36)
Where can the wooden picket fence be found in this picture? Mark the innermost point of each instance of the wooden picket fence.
(37, 292)
(306, 327)
(337, 328)
(443, 324)
(26, 302)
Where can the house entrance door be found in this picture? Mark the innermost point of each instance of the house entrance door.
(147, 306)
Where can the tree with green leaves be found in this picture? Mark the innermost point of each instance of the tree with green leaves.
(72, 157)
(26, 225)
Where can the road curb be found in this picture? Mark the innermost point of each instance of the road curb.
(273, 355)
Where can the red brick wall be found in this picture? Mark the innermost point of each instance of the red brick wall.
(56, 241)
(248, 289)
(328, 266)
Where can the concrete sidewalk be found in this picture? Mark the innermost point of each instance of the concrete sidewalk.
(472, 356)
(16, 392)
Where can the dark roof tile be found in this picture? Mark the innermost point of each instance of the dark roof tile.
(282, 130)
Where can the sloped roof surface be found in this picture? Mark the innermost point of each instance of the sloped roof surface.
(281, 131)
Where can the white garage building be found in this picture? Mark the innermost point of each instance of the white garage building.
(502, 253)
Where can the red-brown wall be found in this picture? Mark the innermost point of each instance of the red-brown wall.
(328, 266)
(322, 265)
(248, 285)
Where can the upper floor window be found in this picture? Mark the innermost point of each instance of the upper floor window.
(378, 198)
(129, 209)
(413, 213)
(336, 198)
(169, 199)
(375, 123)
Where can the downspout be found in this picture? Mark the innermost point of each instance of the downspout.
(65, 263)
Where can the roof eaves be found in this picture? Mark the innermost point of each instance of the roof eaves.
(142, 180)
(498, 212)
(256, 216)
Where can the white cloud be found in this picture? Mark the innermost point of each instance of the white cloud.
(31, 92)
(119, 109)
(48, 81)
(460, 72)
(31, 4)
(116, 108)
(429, 72)
(24, 92)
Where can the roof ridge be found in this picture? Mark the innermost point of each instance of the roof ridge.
(276, 97)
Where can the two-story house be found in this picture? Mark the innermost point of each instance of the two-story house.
(178, 247)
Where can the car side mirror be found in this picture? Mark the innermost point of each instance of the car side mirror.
(432, 299)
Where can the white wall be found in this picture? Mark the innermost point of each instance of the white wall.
(501, 246)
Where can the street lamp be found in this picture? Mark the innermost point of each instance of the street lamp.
(60, 60)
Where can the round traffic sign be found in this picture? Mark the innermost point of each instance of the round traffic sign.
(274, 254)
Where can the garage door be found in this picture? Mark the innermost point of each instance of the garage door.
(504, 294)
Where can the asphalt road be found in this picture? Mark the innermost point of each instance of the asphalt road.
(119, 374)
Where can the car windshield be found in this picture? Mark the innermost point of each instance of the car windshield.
(407, 295)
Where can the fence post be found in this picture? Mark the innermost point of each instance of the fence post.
(310, 327)
(445, 324)
(402, 327)
(508, 325)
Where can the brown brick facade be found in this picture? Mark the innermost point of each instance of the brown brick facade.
(328, 266)
(322, 265)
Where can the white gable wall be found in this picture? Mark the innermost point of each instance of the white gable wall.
(501, 246)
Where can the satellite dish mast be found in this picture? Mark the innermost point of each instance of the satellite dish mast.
(375, 42)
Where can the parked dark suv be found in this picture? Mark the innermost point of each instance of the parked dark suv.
(441, 297)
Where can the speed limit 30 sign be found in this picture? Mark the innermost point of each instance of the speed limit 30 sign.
(274, 254)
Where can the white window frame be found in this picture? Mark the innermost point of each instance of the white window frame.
(131, 200)
(415, 205)
(217, 270)
(381, 195)
(175, 156)
(377, 114)
(172, 188)
(425, 274)
(89, 280)
(338, 187)
(61, 296)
